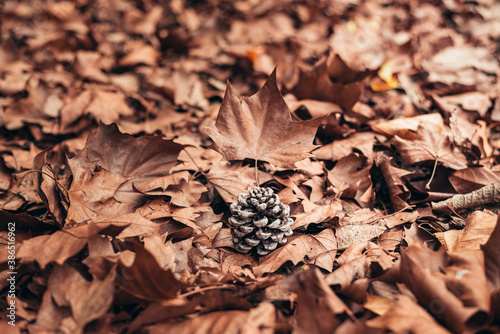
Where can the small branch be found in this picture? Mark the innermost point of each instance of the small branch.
(208, 288)
(487, 195)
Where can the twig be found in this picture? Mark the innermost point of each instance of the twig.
(487, 195)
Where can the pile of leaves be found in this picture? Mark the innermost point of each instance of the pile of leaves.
(123, 146)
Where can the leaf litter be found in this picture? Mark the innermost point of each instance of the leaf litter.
(128, 128)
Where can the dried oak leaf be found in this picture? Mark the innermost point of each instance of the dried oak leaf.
(260, 127)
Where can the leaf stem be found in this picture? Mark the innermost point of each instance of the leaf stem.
(256, 176)
(428, 185)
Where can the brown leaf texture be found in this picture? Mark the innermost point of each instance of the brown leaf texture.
(478, 228)
(258, 320)
(260, 127)
(452, 286)
(406, 315)
(321, 248)
(430, 146)
(374, 123)
(110, 166)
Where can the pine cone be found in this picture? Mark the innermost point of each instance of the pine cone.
(259, 221)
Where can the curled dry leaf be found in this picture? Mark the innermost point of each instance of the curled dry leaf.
(319, 214)
(89, 300)
(146, 280)
(315, 84)
(258, 320)
(398, 191)
(451, 286)
(407, 316)
(478, 228)
(260, 127)
(351, 179)
(400, 126)
(360, 141)
(317, 305)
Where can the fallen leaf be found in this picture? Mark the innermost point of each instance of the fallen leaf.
(473, 178)
(406, 316)
(393, 176)
(469, 67)
(319, 214)
(14, 77)
(315, 84)
(359, 44)
(57, 247)
(491, 258)
(88, 300)
(452, 286)
(430, 146)
(258, 320)
(230, 180)
(349, 234)
(247, 128)
(351, 179)
(146, 280)
(320, 248)
(139, 53)
(477, 230)
(107, 169)
(338, 149)
(318, 307)
(400, 126)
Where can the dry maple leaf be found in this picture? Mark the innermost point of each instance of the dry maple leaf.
(321, 247)
(430, 146)
(108, 169)
(260, 127)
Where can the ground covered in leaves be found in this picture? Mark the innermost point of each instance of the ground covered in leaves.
(122, 146)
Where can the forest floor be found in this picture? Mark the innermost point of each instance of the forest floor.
(132, 130)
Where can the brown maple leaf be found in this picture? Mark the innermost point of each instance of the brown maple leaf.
(430, 146)
(110, 169)
(260, 127)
